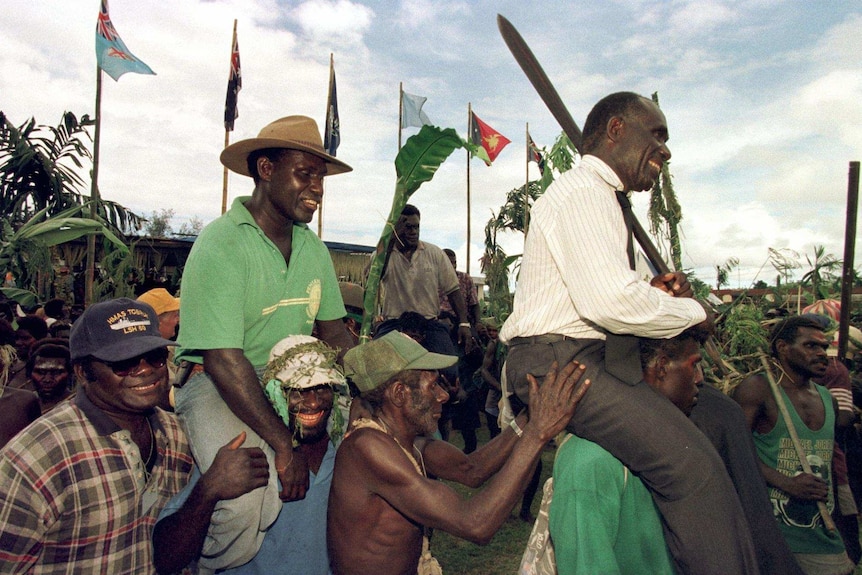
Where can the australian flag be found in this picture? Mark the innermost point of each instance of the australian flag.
(534, 155)
(234, 85)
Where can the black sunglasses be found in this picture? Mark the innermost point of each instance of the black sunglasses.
(156, 358)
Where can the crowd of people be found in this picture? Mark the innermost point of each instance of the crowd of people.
(244, 427)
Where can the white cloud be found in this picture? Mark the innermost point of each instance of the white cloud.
(764, 112)
(325, 19)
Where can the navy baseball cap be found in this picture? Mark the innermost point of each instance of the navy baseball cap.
(115, 330)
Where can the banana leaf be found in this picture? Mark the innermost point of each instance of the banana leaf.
(24, 297)
(61, 230)
(416, 163)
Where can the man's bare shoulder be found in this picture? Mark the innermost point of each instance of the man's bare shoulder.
(754, 394)
(753, 389)
(374, 451)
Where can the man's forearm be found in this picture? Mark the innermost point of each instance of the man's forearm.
(773, 477)
(456, 300)
(335, 335)
(179, 538)
(486, 511)
(473, 313)
(474, 469)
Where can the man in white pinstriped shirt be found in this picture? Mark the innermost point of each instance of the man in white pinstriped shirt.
(577, 293)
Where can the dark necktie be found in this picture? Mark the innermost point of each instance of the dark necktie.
(622, 352)
(626, 206)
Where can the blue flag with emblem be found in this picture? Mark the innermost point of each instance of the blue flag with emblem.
(112, 56)
(332, 136)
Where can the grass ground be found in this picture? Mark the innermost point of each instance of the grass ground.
(502, 555)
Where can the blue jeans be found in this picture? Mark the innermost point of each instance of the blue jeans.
(238, 525)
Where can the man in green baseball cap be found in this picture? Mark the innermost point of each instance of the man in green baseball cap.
(381, 497)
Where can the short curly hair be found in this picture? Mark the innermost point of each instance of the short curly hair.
(787, 329)
(616, 104)
(409, 377)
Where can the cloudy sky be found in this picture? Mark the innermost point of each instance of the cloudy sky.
(763, 100)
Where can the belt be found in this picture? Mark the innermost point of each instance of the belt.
(544, 339)
(185, 371)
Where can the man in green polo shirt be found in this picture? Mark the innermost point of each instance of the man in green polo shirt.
(254, 276)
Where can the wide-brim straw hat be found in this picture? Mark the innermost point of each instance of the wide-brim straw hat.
(293, 133)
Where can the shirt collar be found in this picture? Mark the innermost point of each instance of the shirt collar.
(240, 214)
(419, 247)
(104, 425)
(603, 171)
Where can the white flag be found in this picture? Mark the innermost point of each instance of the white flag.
(411, 111)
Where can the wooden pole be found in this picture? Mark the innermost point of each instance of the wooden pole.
(794, 438)
(326, 127)
(89, 295)
(849, 254)
(469, 137)
(527, 179)
(400, 111)
(226, 131)
(224, 176)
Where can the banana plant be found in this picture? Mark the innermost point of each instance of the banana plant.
(415, 164)
(26, 251)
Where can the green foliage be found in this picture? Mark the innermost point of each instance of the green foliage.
(415, 164)
(701, 289)
(25, 251)
(559, 159)
(42, 199)
(722, 272)
(512, 216)
(825, 268)
(665, 213)
(39, 166)
(24, 297)
(785, 261)
(192, 227)
(742, 333)
(116, 265)
(158, 225)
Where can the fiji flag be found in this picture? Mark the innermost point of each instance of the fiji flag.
(112, 56)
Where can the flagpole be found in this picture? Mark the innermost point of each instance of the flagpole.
(226, 131)
(527, 183)
(469, 126)
(400, 111)
(326, 127)
(94, 194)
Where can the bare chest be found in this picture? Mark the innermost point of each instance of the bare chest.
(808, 406)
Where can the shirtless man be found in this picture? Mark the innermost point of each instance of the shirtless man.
(381, 501)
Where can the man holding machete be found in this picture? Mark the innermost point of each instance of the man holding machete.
(579, 298)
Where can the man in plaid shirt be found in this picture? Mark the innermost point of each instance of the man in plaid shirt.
(81, 487)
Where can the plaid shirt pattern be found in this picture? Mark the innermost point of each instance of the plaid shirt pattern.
(74, 497)
(468, 289)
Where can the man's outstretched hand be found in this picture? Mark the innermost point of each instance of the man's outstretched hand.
(553, 404)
